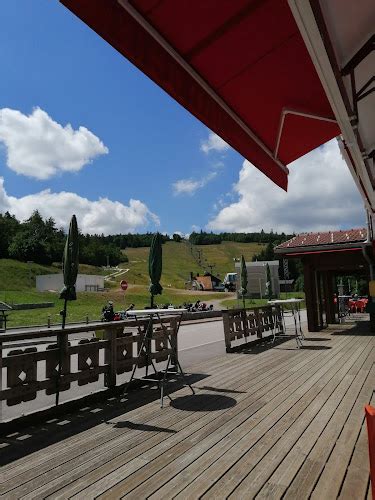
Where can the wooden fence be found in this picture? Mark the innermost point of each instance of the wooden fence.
(110, 349)
(250, 324)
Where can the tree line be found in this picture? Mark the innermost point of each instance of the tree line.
(39, 240)
(204, 238)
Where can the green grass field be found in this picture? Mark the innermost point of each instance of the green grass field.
(178, 261)
(15, 275)
(223, 255)
(90, 303)
(17, 282)
(177, 264)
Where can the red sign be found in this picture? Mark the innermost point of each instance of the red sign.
(124, 285)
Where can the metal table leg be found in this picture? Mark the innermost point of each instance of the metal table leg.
(145, 344)
(175, 355)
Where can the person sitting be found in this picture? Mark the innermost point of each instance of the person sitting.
(108, 312)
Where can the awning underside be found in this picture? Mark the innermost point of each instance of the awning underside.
(240, 67)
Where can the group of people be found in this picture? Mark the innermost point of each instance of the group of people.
(109, 314)
(198, 306)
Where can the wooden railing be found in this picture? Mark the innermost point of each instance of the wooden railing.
(250, 324)
(110, 349)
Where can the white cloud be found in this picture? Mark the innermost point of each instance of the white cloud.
(214, 143)
(101, 216)
(321, 196)
(190, 186)
(39, 147)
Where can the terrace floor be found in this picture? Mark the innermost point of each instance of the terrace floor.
(268, 422)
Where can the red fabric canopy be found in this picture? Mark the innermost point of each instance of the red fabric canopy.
(241, 67)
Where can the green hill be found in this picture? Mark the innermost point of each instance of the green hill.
(16, 275)
(179, 259)
(177, 264)
(222, 256)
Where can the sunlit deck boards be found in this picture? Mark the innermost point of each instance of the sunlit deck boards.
(266, 423)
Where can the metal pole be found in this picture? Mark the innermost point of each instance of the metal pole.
(60, 347)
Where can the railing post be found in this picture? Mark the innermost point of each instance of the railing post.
(258, 322)
(226, 330)
(110, 358)
(244, 323)
(174, 341)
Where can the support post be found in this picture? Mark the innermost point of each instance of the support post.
(226, 325)
(329, 300)
(110, 358)
(310, 297)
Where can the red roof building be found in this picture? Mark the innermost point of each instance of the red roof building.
(323, 240)
(325, 257)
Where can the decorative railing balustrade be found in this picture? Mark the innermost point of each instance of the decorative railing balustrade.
(250, 324)
(110, 349)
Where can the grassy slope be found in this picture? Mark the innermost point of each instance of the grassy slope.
(178, 261)
(15, 275)
(222, 255)
(177, 264)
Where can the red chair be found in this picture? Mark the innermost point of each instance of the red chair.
(370, 419)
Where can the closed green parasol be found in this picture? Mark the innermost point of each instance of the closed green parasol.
(155, 265)
(70, 271)
(70, 264)
(243, 279)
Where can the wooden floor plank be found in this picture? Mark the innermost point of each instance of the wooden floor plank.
(283, 475)
(253, 391)
(357, 477)
(238, 443)
(101, 435)
(308, 475)
(321, 385)
(100, 457)
(328, 399)
(194, 471)
(216, 433)
(296, 419)
(334, 471)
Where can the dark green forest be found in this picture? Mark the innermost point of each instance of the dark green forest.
(39, 240)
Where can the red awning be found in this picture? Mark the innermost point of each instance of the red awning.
(241, 67)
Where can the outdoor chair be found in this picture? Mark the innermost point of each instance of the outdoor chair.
(370, 418)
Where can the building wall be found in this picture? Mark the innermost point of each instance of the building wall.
(257, 278)
(55, 282)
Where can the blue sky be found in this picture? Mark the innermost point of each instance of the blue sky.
(141, 144)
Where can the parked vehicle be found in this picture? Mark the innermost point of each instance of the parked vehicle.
(229, 282)
(219, 288)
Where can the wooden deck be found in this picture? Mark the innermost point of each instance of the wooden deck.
(269, 422)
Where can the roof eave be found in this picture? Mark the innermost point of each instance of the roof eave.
(321, 248)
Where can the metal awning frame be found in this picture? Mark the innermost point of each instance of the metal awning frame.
(317, 42)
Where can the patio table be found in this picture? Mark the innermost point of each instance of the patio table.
(159, 377)
(293, 311)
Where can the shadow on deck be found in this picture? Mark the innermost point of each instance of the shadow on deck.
(286, 423)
